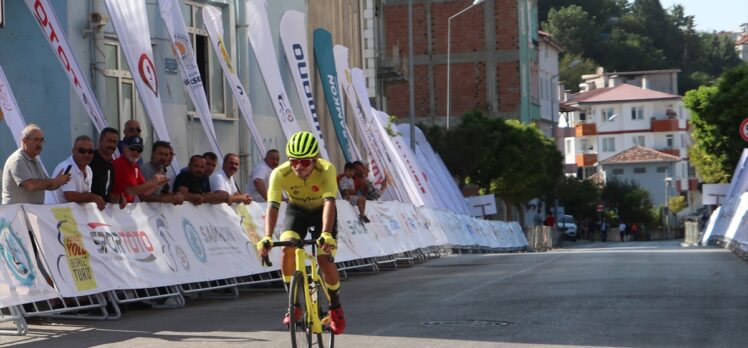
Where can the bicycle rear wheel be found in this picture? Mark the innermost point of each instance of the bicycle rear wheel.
(301, 333)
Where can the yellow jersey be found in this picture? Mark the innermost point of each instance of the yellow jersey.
(308, 194)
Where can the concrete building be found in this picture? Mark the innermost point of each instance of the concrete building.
(45, 97)
(493, 59)
(741, 42)
(548, 73)
(665, 81)
(628, 132)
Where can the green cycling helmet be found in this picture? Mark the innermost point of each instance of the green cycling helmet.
(302, 145)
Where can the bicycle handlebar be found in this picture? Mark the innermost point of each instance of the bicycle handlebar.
(299, 243)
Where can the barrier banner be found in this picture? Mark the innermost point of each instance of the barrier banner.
(355, 241)
(130, 21)
(738, 185)
(142, 246)
(262, 44)
(293, 39)
(214, 26)
(325, 62)
(9, 109)
(171, 13)
(20, 278)
(47, 19)
(376, 154)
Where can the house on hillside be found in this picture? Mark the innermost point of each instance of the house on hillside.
(621, 127)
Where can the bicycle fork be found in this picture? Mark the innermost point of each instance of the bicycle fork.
(311, 292)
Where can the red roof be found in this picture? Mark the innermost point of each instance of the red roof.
(742, 40)
(622, 92)
(639, 154)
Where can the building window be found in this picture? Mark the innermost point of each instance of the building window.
(691, 171)
(662, 169)
(568, 146)
(584, 145)
(609, 144)
(618, 171)
(669, 141)
(638, 140)
(640, 170)
(207, 61)
(583, 115)
(608, 114)
(637, 113)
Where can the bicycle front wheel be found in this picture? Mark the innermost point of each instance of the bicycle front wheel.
(300, 328)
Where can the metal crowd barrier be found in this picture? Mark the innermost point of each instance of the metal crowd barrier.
(13, 314)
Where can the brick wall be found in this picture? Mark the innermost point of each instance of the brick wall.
(469, 88)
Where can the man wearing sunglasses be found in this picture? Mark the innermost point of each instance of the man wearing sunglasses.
(129, 181)
(132, 129)
(78, 189)
(311, 186)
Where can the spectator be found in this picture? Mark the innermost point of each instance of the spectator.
(132, 129)
(360, 178)
(347, 188)
(129, 181)
(604, 230)
(549, 221)
(622, 231)
(24, 177)
(370, 190)
(78, 189)
(211, 160)
(190, 183)
(160, 154)
(222, 182)
(633, 231)
(257, 186)
(102, 179)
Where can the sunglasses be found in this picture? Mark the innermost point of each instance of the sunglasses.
(134, 130)
(137, 149)
(83, 151)
(304, 162)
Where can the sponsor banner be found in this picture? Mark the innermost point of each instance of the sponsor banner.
(9, 109)
(262, 44)
(355, 241)
(293, 38)
(325, 61)
(738, 185)
(141, 246)
(45, 16)
(373, 148)
(171, 13)
(214, 26)
(130, 21)
(21, 280)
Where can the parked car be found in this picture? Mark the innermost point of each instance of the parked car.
(566, 225)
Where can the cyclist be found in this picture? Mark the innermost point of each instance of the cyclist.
(311, 187)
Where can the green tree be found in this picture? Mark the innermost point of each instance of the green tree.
(631, 201)
(676, 204)
(716, 113)
(579, 197)
(571, 69)
(573, 28)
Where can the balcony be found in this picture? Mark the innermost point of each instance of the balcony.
(586, 159)
(674, 152)
(392, 68)
(584, 129)
(665, 125)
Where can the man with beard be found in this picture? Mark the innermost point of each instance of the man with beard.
(160, 158)
(189, 183)
(24, 178)
(102, 179)
(223, 185)
(78, 189)
(129, 180)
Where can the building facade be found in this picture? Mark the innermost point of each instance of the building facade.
(45, 97)
(493, 59)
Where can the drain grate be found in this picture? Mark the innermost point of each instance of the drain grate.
(468, 323)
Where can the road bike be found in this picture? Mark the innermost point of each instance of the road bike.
(312, 329)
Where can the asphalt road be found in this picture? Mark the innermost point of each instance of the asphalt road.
(639, 294)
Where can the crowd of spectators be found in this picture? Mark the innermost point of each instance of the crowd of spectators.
(115, 172)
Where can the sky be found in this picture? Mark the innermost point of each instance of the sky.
(714, 15)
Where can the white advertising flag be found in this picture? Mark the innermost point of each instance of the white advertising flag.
(45, 16)
(171, 13)
(9, 110)
(131, 24)
(293, 38)
(262, 44)
(214, 26)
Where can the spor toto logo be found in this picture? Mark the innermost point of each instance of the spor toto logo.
(148, 73)
(15, 255)
(196, 244)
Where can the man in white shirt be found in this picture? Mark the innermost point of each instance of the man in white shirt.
(78, 189)
(223, 185)
(257, 186)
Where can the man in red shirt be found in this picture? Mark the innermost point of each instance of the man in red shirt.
(128, 179)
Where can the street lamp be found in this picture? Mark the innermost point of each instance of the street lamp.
(666, 209)
(449, 52)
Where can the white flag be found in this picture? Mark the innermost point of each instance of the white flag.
(9, 109)
(45, 16)
(171, 13)
(293, 38)
(214, 26)
(262, 44)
